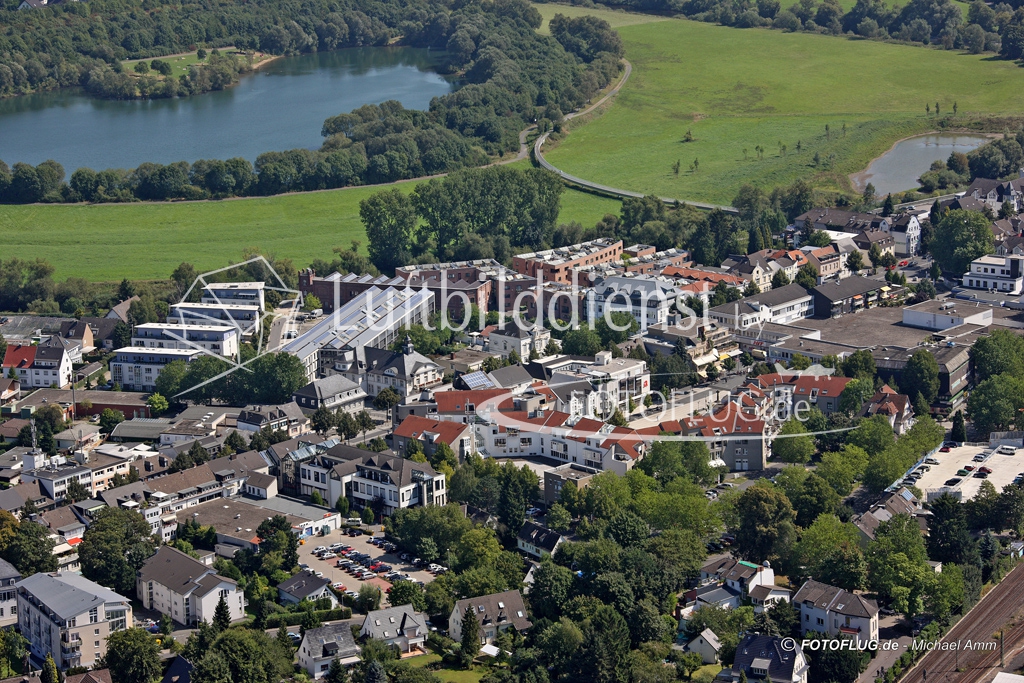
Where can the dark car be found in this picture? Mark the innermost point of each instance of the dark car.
(954, 481)
(981, 475)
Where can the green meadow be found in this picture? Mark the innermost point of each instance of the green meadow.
(736, 90)
(108, 242)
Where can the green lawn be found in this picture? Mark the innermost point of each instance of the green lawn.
(179, 63)
(147, 241)
(615, 18)
(736, 89)
(449, 675)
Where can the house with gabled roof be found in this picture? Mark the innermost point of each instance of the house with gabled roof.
(495, 613)
(764, 658)
(38, 366)
(707, 645)
(408, 372)
(305, 585)
(432, 433)
(386, 482)
(402, 627)
(828, 609)
(321, 646)
(185, 589)
(537, 540)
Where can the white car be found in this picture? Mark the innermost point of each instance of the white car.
(319, 549)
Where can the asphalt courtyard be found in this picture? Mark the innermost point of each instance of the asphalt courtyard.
(361, 544)
(1004, 469)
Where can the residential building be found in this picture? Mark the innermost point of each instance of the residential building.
(706, 645)
(884, 241)
(387, 483)
(834, 611)
(321, 646)
(899, 502)
(38, 366)
(401, 627)
(239, 293)
(495, 613)
(782, 305)
(648, 299)
(536, 540)
(91, 332)
(569, 474)
(136, 368)
(9, 577)
(559, 265)
(763, 597)
(704, 344)
(287, 418)
(906, 229)
(70, 617)
(188, 591)
(849, 295)
(334, 392)
(431, 433)
(1003, 274)
(515, 378)
(994, 193)
(895, 407)
(218, 339)
(94, 676)
(247, 318)
(764, 658)
(407, 372)
(831, 219)
(736, 437)
(738, 575)
(262, 486)
(305, 585)
(827, 261)
(512, 337)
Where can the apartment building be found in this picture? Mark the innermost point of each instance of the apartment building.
(558, 265)
(9, 577)
(219, 339)
(523, 340)
(782, 305)
(247, 318)
(238, 293)
(495, 613)
(38, 366)
(648, 299)
(387, 483)
(185, 589)
(70, 617)
(136, 369)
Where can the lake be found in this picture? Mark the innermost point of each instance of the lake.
(898, 169)
(280, 106)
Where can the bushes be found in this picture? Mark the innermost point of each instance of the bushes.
(295, 618)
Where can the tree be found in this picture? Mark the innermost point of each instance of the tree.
(618, 419)
(995, 403)
(342, 505)
(406, 593)
(221, 615)
(792, 445)
(959, 238)
(31, 549)
(874, 435)
(855, 262)
(322, 420)
(132, 656)
(109, 419)
(470, 641)
(921, 376)
(603, 656)
(375, 673)
(998, 353)
(114, 548)
(364, 422)
(807, 276)
(157, 404)
(959, 431)
(582, 341)
(780, 279)
(888, 207)
(386, 399)
(628, 529)
(49, 673)
(815, 498)
(558, 518)
(336, 672)
(368, 598)
(76, 492)
(766, 530)
(859, 365)
(389, 218)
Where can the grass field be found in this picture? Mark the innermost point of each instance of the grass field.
(449, 675)
(737, 89)
(179, 63)
(616, 18)
(147, 241)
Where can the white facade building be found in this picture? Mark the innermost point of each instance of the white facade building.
(246, 317)
(185, 589)
(219, 339)
(243, 293)
(1003, 274)
(136, 369)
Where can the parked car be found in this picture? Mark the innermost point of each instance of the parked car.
(328, 556)
(1007, 450)
(295, 638)
(951, 444)
(931, 461)
(319, 549)
(981, 475)
(978, 458)
(969, 468)
(962, 473)
(726, 485)
(953, 482)
(944, 449)
(986, 470)
(338, 586)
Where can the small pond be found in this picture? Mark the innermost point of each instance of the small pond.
(898, 169)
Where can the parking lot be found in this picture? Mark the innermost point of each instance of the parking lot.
(360, 544)
(1005, 469)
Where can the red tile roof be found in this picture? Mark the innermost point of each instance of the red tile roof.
(414, 427)
(456, 401)
(19, 356)
(702, 275)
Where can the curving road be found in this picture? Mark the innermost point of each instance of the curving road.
(597, 187)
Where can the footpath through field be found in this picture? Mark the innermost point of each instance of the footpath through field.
(597, 187)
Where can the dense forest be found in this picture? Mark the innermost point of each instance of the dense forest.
(512, 77)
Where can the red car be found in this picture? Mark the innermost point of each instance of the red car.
(969, 468)
(986, 470)
(903, 263)
(944, 449)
